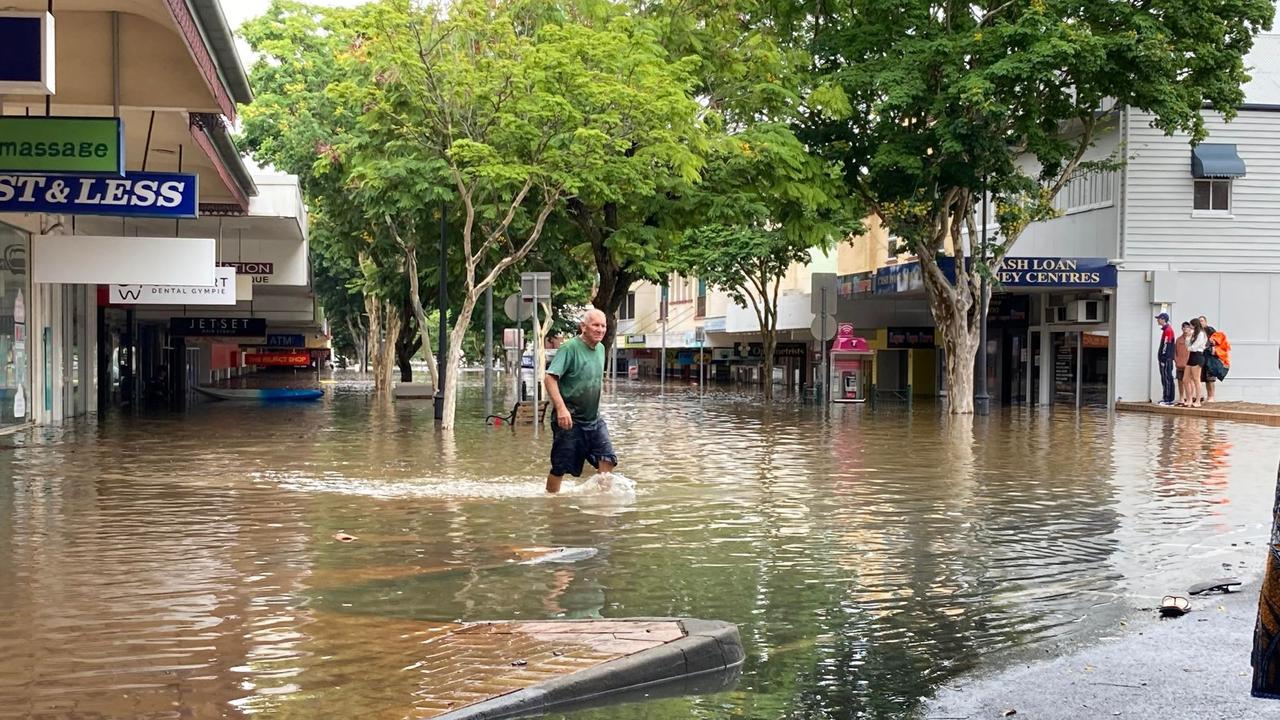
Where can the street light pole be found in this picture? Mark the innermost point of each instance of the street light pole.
(981, 400)
(442, 299)
(488, 351)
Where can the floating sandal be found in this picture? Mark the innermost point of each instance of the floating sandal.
(1174, 606)
(1222, 585)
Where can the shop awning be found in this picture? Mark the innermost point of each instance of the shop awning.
(1216, 160)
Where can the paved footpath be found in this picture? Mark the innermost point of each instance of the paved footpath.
(1237, 411)
(1195, 667)
(506, 669)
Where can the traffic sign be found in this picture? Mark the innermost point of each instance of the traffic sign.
(517, 309)
(820, 301)
(817, 328)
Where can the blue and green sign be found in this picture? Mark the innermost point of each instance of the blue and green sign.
(162, 195)
(62, 145)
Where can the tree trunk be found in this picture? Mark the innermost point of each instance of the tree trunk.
(614, 281)
(407, 343)
(769, 341)
(419, 314)
(1266, 630)
(384, 327)
(453, 360)
(360, 340)
(541, 329)
(956, 308)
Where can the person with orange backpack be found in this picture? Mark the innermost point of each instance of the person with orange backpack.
(1217, 358)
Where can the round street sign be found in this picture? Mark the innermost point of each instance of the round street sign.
(816, 328)
(516, 309)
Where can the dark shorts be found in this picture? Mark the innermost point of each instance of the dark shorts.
(1196, 360)
(583, 443)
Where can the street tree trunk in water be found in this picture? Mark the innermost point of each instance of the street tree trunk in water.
(495, 237)
(762, 292)
(541, 328)
(360, 338)
(407, 344)
(384, 328)
(415, 299)
(614, 281)
(1266, 631)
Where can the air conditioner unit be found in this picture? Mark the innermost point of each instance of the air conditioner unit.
(1086, 311)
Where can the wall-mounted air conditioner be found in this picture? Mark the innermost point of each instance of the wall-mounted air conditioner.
(1087, 311)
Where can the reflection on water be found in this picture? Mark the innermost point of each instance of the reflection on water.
(184, 565)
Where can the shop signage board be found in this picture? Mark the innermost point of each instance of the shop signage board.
(123, 260)
(259, 273)
(27, 64)
(137, 194)
(222, 292)
(61, 145)
(912, 338)
(1048, 272)
(899, 278)
(285, 340)
(282, 359)
(217, 327)
(780, 351)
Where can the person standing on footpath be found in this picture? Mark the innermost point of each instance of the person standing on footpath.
(1198, 341)
(1164, 358)
(1181, 354)
(574, 381)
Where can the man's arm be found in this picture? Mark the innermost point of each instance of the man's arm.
(557, 401)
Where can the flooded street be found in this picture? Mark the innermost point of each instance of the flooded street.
(183, 565)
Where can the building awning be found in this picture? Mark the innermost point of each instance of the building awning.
(1216, 160)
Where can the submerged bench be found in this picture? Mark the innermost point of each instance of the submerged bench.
(521, 414)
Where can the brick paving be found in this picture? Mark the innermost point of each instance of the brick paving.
(475, 662)
(1237, 411)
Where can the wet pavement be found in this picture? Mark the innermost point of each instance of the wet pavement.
(184, 565)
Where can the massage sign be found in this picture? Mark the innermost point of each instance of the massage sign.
(62, 145)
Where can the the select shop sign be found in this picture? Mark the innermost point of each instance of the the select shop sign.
(163, 195)
(61, 145)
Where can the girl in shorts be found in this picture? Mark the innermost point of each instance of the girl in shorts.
(1196, 344)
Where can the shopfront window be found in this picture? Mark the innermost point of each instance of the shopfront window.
(15, 391)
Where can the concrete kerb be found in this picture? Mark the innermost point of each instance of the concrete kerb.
(707, 659)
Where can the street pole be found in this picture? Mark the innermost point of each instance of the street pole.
(826, 374)
(981, 400)
(442, 299)
(488, 351)
(662, 361)
(537, 340)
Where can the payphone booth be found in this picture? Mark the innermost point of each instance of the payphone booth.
(851, 361)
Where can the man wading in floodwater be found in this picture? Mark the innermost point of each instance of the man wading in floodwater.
(573, 383)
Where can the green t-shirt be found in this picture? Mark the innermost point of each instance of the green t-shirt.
(580, 370)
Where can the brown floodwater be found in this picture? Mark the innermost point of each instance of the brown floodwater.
(182, 565)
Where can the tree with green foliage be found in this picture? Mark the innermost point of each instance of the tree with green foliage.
(768, 202)
(517, 122)
(299, 124)
(930, 106)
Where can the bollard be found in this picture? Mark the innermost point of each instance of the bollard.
(1266, 633)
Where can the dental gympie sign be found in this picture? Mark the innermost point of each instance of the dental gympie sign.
(163, 195)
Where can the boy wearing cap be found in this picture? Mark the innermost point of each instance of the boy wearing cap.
(1164, 357)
